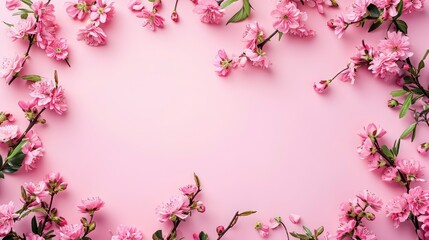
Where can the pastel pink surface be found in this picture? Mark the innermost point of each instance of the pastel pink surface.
(147, 110)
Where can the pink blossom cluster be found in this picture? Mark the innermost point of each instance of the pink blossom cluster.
(387, 61)
(97, 13)
(39, 27)
(209, 10)
(358, 13)
(264, 229)
(180, 206)
(414, 206)
(127, 233)
(289, 19)
(352, 214)
(151, 18)
(46, 94)
(400, 170)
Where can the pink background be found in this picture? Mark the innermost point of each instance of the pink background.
(147, 110)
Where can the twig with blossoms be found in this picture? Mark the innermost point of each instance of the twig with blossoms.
(37, 26)
(26, 149)
(413, 205)
(151, 19)
(221, 231)
(99, 12)
(33, 197)
(377, 12)
(289, 20)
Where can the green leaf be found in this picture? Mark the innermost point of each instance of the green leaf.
(319, 231)
(373, 11)
(227, 3)
(197, 181)
(375, 25)
(246, 213)
(407, 131)
(32, 78)
(386, 151)
(34, 227)
(31, 211)
(399, 9)
(422, 62)
(27, 2)
(413, 134)
(398, 93)
(16, 162)
(242, 14)
(406, 105)
(1, 175)
(307, 230)
(1, 161)
(280, 36)
(17, 149)
(401, 26)
(203, 236)
(408, 80)
(8, 24)
(158, 235)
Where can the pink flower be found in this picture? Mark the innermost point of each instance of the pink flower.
(23, 28)
(91, 205)
(321, 86)
(349, 74)
(92, 34)
(33, 150)
(257, 57)
(302, 32)
(58, 49)
(363, 55)
(78, 9)
(176, 206)
(32, 236)
(45, 12)
(7, 214)
(210, 11)
(339, 25)
(411, 168)
(35, 192)
(12, 4)
(345, 227)
(10, 67)
(413, 5)
(389, 6)
(71, 231)
(424, 233)
(294, 218)
(127, 233)
(397, 45)
(345, 209)
(151, 19)
(384, 66)
(8, 132)
(397, 210)
(371, 199)
(262, 229)
(49, 95)
(102, 11)
(367, 151)
(390, 174)
(253, 35)
(357, 10)
(189, 189)
(418, 200)
(287, 16)
(136, 5)
(275, 222)
(372, 131)
(423, 148)
(58, 103)
(364, 233)
(223, 64)
(45, 34)
(55, 183)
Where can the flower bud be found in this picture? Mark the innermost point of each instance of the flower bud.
(423, 148)
(406, 67)
(392, 103)
(330, 23)
(220, 229)
(194, 1)
(175, 16)
(201, 207)
(369, 216)
(321, 86)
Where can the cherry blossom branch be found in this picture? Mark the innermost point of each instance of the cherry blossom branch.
(234, 221)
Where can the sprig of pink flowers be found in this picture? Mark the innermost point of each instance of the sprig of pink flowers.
(377, 12)
(26, 148)
(37, 26)
(46, 223)
(97, 13)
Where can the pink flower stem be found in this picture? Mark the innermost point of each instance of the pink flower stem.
(392, 164)
(261, 45)
(284, 226)
(231, 224)
(47, 215)
(177, 222)
(33, 122)
(27, 54)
